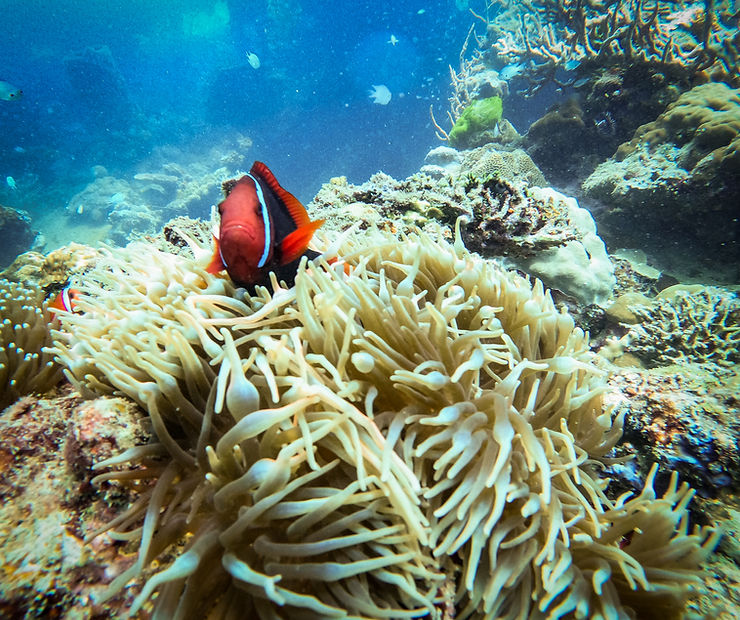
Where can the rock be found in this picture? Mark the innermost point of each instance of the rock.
(16, 234)
(671, 188)
(620, 311)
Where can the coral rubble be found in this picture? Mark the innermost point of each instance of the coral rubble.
(367, 440)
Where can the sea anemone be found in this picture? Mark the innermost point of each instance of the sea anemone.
(24, 331)
(362, 443)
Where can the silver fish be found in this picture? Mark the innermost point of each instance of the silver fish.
(8, 92)
(511, 70)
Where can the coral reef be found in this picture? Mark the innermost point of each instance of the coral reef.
(686, 166)
(418, 423)
(581, 267)
(538, 229)
(52, 271)
(48, 568)
(685, 417)
(16, 233)
(169, 185)
(24, 332)
(472, 82)
(617, 64)
(550, 139)
(515, 166)
(175, 235)
(685, 325)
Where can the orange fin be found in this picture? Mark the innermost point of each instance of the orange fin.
(296, 243)
(297, 211)
(217, 264)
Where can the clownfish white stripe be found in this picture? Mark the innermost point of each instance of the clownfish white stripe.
(265, 219)
(66, 304)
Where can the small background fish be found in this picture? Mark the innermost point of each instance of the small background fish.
(8, 92)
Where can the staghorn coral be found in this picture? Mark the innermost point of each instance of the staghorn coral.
(699, 326)
(360, 444)
(24, 331)
(695, 40)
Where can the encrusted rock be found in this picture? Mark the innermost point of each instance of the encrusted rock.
(49, 507)
(675, 182)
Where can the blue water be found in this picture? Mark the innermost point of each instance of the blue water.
(181, 77)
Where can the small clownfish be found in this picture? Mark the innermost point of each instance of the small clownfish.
(65, 300)
(263, 228)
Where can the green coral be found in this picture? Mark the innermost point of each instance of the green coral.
(479, 116)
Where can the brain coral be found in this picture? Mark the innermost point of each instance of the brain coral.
(24, 331)
(515, 165)
(423, 432)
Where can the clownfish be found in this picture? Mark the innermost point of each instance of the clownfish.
(65, 300)
(263, 228)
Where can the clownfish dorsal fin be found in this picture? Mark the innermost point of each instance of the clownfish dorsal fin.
(297, 211)
(296, 243)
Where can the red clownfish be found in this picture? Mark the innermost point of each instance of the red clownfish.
(263, 228)
(65, 300)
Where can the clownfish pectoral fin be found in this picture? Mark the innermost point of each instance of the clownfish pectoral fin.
(296, 243)
(297, 211)
(216, 263)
